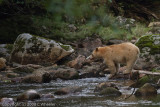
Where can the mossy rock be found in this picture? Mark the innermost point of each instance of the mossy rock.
(110, 91)
(145, 79)
(149, 44)
(146, 90)
(31, 49)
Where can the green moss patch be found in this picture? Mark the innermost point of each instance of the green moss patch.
(150, 41)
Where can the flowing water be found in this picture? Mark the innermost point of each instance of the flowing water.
(86, 98)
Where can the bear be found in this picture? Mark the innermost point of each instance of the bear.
(113, 55)
(2, 63)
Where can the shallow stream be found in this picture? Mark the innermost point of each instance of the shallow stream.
(86, 98)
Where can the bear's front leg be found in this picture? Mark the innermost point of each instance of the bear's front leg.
(112, 69)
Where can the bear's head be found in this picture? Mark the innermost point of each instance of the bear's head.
(95, 54)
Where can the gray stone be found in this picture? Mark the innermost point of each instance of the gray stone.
(29, 49)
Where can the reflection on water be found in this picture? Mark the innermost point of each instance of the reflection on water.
(86, 98)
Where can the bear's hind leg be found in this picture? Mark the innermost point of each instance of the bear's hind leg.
(129, 67)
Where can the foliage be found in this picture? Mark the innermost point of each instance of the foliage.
(61, 19)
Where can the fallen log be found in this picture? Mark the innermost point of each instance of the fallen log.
(147, 72)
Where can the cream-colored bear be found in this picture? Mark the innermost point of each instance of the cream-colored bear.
(2, 63)
(113, 55)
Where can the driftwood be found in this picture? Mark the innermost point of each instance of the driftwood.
(147, 72)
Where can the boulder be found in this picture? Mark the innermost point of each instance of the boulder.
(68, 90)
(146, 90)
(149, 46)
(104, 85)
(28, 95)
(30, 49)
(110, 91)
(2, 63)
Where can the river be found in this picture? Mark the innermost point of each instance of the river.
(86, 98)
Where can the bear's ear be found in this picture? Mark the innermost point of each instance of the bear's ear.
(96, 49)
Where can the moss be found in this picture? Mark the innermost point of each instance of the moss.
(19, 45)
(146, 79)
(65, 47)
(9, 47)
(148, 41)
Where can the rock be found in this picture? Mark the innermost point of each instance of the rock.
(2, 63)
(7, 102)
(149, 46)
(154, 24)
(29, 49)
(86, 46)
(91, 43)
(145, 79)
(62, 72)
(154, 30)
(45, 96)
(23, 70)
(12, 75)
(95, 70)
(110, 91)
(47, 74)
(33, 79)
(114, 41)
(146, 90)
(126, 23)
(28, 95)
(77, 63)
(72, 27)
(68, 90)
(104, 85)
(133, 41)
(17, 79)
(5, 50)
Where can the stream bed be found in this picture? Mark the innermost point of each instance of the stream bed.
(86, 98)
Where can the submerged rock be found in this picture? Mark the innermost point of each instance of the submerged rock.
(29, 49)
(45, 96)
(104, 85)
(146, 90)
(5, 102)
(68, 90)
(28, 95)
(110, 91)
